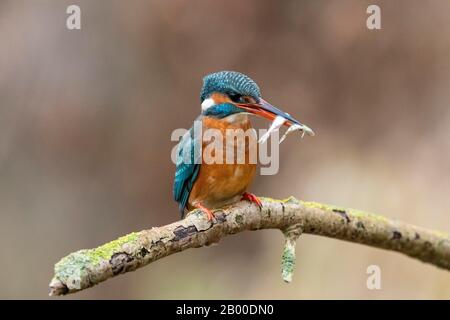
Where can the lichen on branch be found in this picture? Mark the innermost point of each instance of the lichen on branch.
(291, 234)
(86, 268)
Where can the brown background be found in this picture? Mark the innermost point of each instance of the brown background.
(86, 118)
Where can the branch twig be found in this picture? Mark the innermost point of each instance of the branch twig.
(86, 268)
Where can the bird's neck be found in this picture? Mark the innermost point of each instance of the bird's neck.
(233, 121)
(237, 118)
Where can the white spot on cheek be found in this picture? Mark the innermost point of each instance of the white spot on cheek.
(207, 103)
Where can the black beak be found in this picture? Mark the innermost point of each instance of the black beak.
(268, 111)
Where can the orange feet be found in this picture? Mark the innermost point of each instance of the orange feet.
(252, 198)
(208, 212)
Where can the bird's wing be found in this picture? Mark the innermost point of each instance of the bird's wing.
(188, 166)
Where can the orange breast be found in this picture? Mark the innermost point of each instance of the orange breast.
(219, 183)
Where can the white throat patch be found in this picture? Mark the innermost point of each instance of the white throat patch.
(237, 118)
(207, 103)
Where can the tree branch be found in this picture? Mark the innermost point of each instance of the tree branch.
(86, 268)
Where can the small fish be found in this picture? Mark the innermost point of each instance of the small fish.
(276, 125)
(298, 127)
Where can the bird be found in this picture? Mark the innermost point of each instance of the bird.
(227, 99)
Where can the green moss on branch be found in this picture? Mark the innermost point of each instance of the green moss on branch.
(86, 268)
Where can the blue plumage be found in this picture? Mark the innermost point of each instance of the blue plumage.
(223, 94)
(187, 168)
(222, 110)
(229, 82)
(188, 153)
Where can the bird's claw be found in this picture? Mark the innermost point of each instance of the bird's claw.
(252, 198)
(209, 213)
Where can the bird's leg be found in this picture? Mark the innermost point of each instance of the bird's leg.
(252, 198)
(208, 212)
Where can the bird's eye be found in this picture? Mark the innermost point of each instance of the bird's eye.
(237, 98)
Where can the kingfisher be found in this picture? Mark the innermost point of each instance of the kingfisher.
(227, 99)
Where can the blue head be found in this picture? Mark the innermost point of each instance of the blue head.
(231, 83)
(221, 90)
(226, 93)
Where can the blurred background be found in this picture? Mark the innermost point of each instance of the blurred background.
(86, 118)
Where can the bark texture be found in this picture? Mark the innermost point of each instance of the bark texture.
(86, 268)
